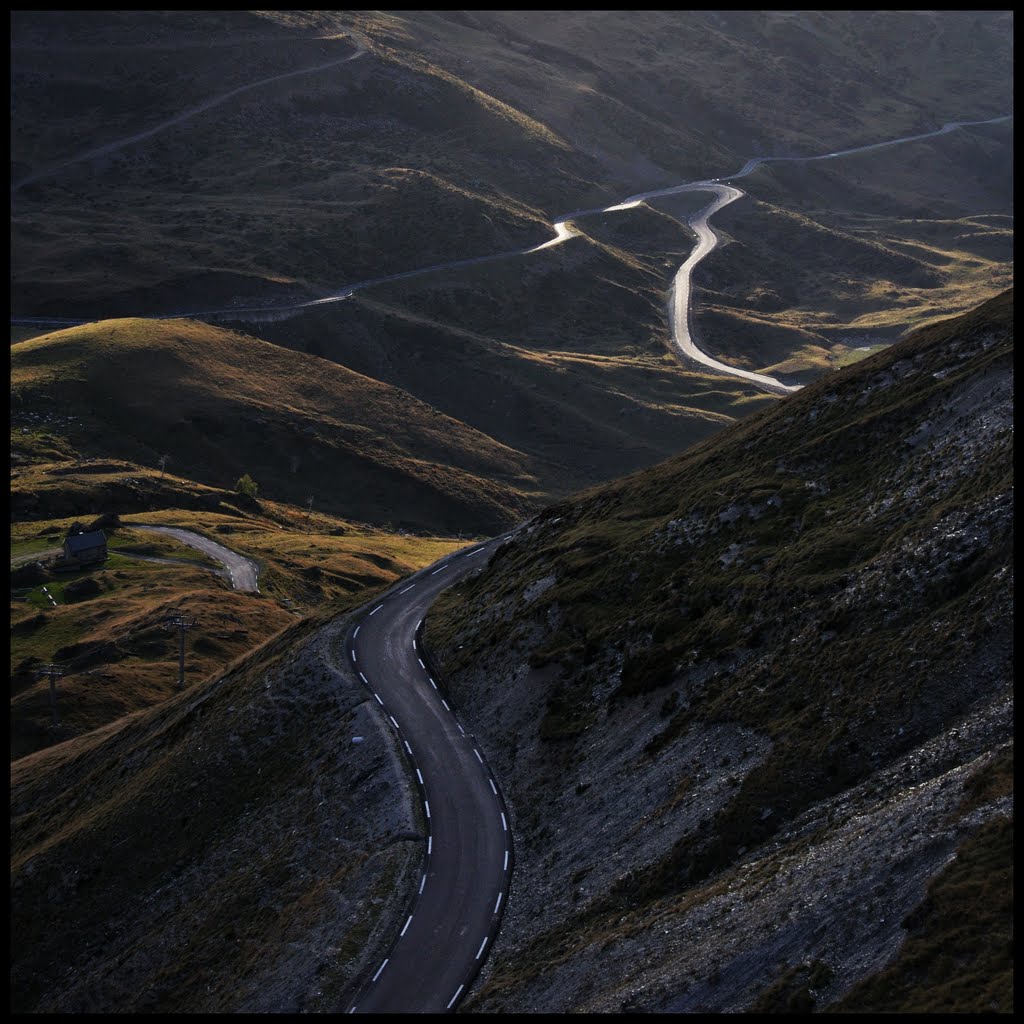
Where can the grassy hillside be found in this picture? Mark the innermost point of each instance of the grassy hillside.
(222, 404)
(105, 625)
(721, 665)
(282, 192)
(560, 356)
(184, 859)
(618, 87)
(461, 134)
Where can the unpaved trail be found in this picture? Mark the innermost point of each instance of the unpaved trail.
(185, 115)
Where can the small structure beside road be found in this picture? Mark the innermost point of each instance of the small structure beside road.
(82, 549)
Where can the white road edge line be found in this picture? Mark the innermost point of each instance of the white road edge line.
(497, 902)
(493, 789)
(407, 923)
(393, 722)
(419, 775)
(454, 997)
(445, 703)
(481, 949)
(505, 867)
(436, 571)
(356, 633)
(463, 731)
(478, 757)
(504, 823)
(379, 701)
(423, 882)
(407, 747)
(426, 804)
(414, 643)
(422, 666)
(379, 969)
(407, 589)
(377, 609)
(432, 683)
(354, 658)
(430, 843)
(364, 679)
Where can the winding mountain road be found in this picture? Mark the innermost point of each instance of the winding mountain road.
(185, 115)
(467, 863)
(680, 306)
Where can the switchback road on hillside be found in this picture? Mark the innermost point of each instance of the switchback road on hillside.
(467, 860)
(680, 307)
(242, 570)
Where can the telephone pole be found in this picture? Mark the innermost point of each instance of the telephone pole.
(182, 624)
(54, 672)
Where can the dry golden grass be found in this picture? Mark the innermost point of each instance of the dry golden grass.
(119, 657)
(223, 404)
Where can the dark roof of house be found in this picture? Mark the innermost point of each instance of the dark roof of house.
(84, 541)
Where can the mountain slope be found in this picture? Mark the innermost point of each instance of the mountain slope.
(222, 404)
(233, 850)
(461, 134)
(748, 704)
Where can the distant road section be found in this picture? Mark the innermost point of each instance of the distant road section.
(680, 308)
(242, 570)
(185, 115)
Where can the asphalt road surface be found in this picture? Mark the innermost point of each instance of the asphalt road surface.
(467, 863)
(681, 300)
(242, 570)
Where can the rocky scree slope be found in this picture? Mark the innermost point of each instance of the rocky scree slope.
(752, 708)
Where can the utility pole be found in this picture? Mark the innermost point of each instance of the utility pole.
(54, 672)
(182, 625)
(163, 460)
(309, 503)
